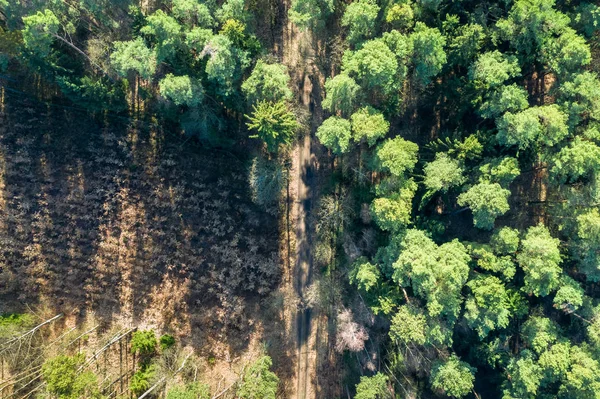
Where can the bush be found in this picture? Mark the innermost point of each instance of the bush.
(143, 342)
(166, 341)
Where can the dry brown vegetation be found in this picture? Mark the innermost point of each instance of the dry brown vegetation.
(119, 219)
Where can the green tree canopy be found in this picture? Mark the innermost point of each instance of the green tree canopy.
(360, 17)
(492, 69)
(453, 377)
(511, 98)
(540, 260)
(487, 308)
(224, 64)
(144, 343)
(342, 94)
(580, 159)
(409, 326)
(500, 170)
(267, 82)
(166, 31)
(65, 381)
(310, 13)
(39, 32)
(335, 133)
(443, 173)
(436, 274)
(258, 381)
(182, 90)
(133, 56)
(393, 213)
(273, 123)
(369, 124)
(487, 201)
(397, 156)
(375, 387)
(374, 65)
(192, 13)
(505, 241)
(429, 56)
(544, 125)
(194, 390)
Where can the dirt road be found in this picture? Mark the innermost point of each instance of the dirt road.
(299, 55)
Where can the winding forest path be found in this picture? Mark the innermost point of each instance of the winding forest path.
(299, 55)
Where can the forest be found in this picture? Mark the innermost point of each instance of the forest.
(260, 199)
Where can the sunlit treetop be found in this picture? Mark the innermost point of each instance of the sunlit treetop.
(360, 17)
(267, 82)
(493, 69)
(133, 56)
(343, 94)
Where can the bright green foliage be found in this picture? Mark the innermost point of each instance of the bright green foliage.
(545, 125)
(397, 156)
(375, 387)
(267, 82)
(39, 32)
(505, 241)
(133, 56)
(191, 391)
(258, 382)
(166, 31)
(182, 90)
(581, 159)
(374, 65)
(583, 379)
(453, 377)
(192, 13)
(359, 18)
(64, 381)
(232, 9)
(492, 69)
(502, 265)
(11, 324)
(587, 243)
(540, 260)
(593, 330)
(429, 56)
(500, 170)
(335, 133)
(307, 13)
(235, 31)
(141, 381)
(569, 296)
(393, 213)
(525, 377)
(464, 47)
(166, 341)
(369, 124)
(143, 342)
(402, 47)
(436, 274)
(400, 16)
(443, 173)
(364, 275)
(530, 25)
(196, 40)
(342, 94)
(539, 333)
(555, 362)
(511, 98)
(266, 179)
(273, 123)
(409, 326)
(224, 64)
(486, 309)
(580, 95)
(566, 54)
(487, 201)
